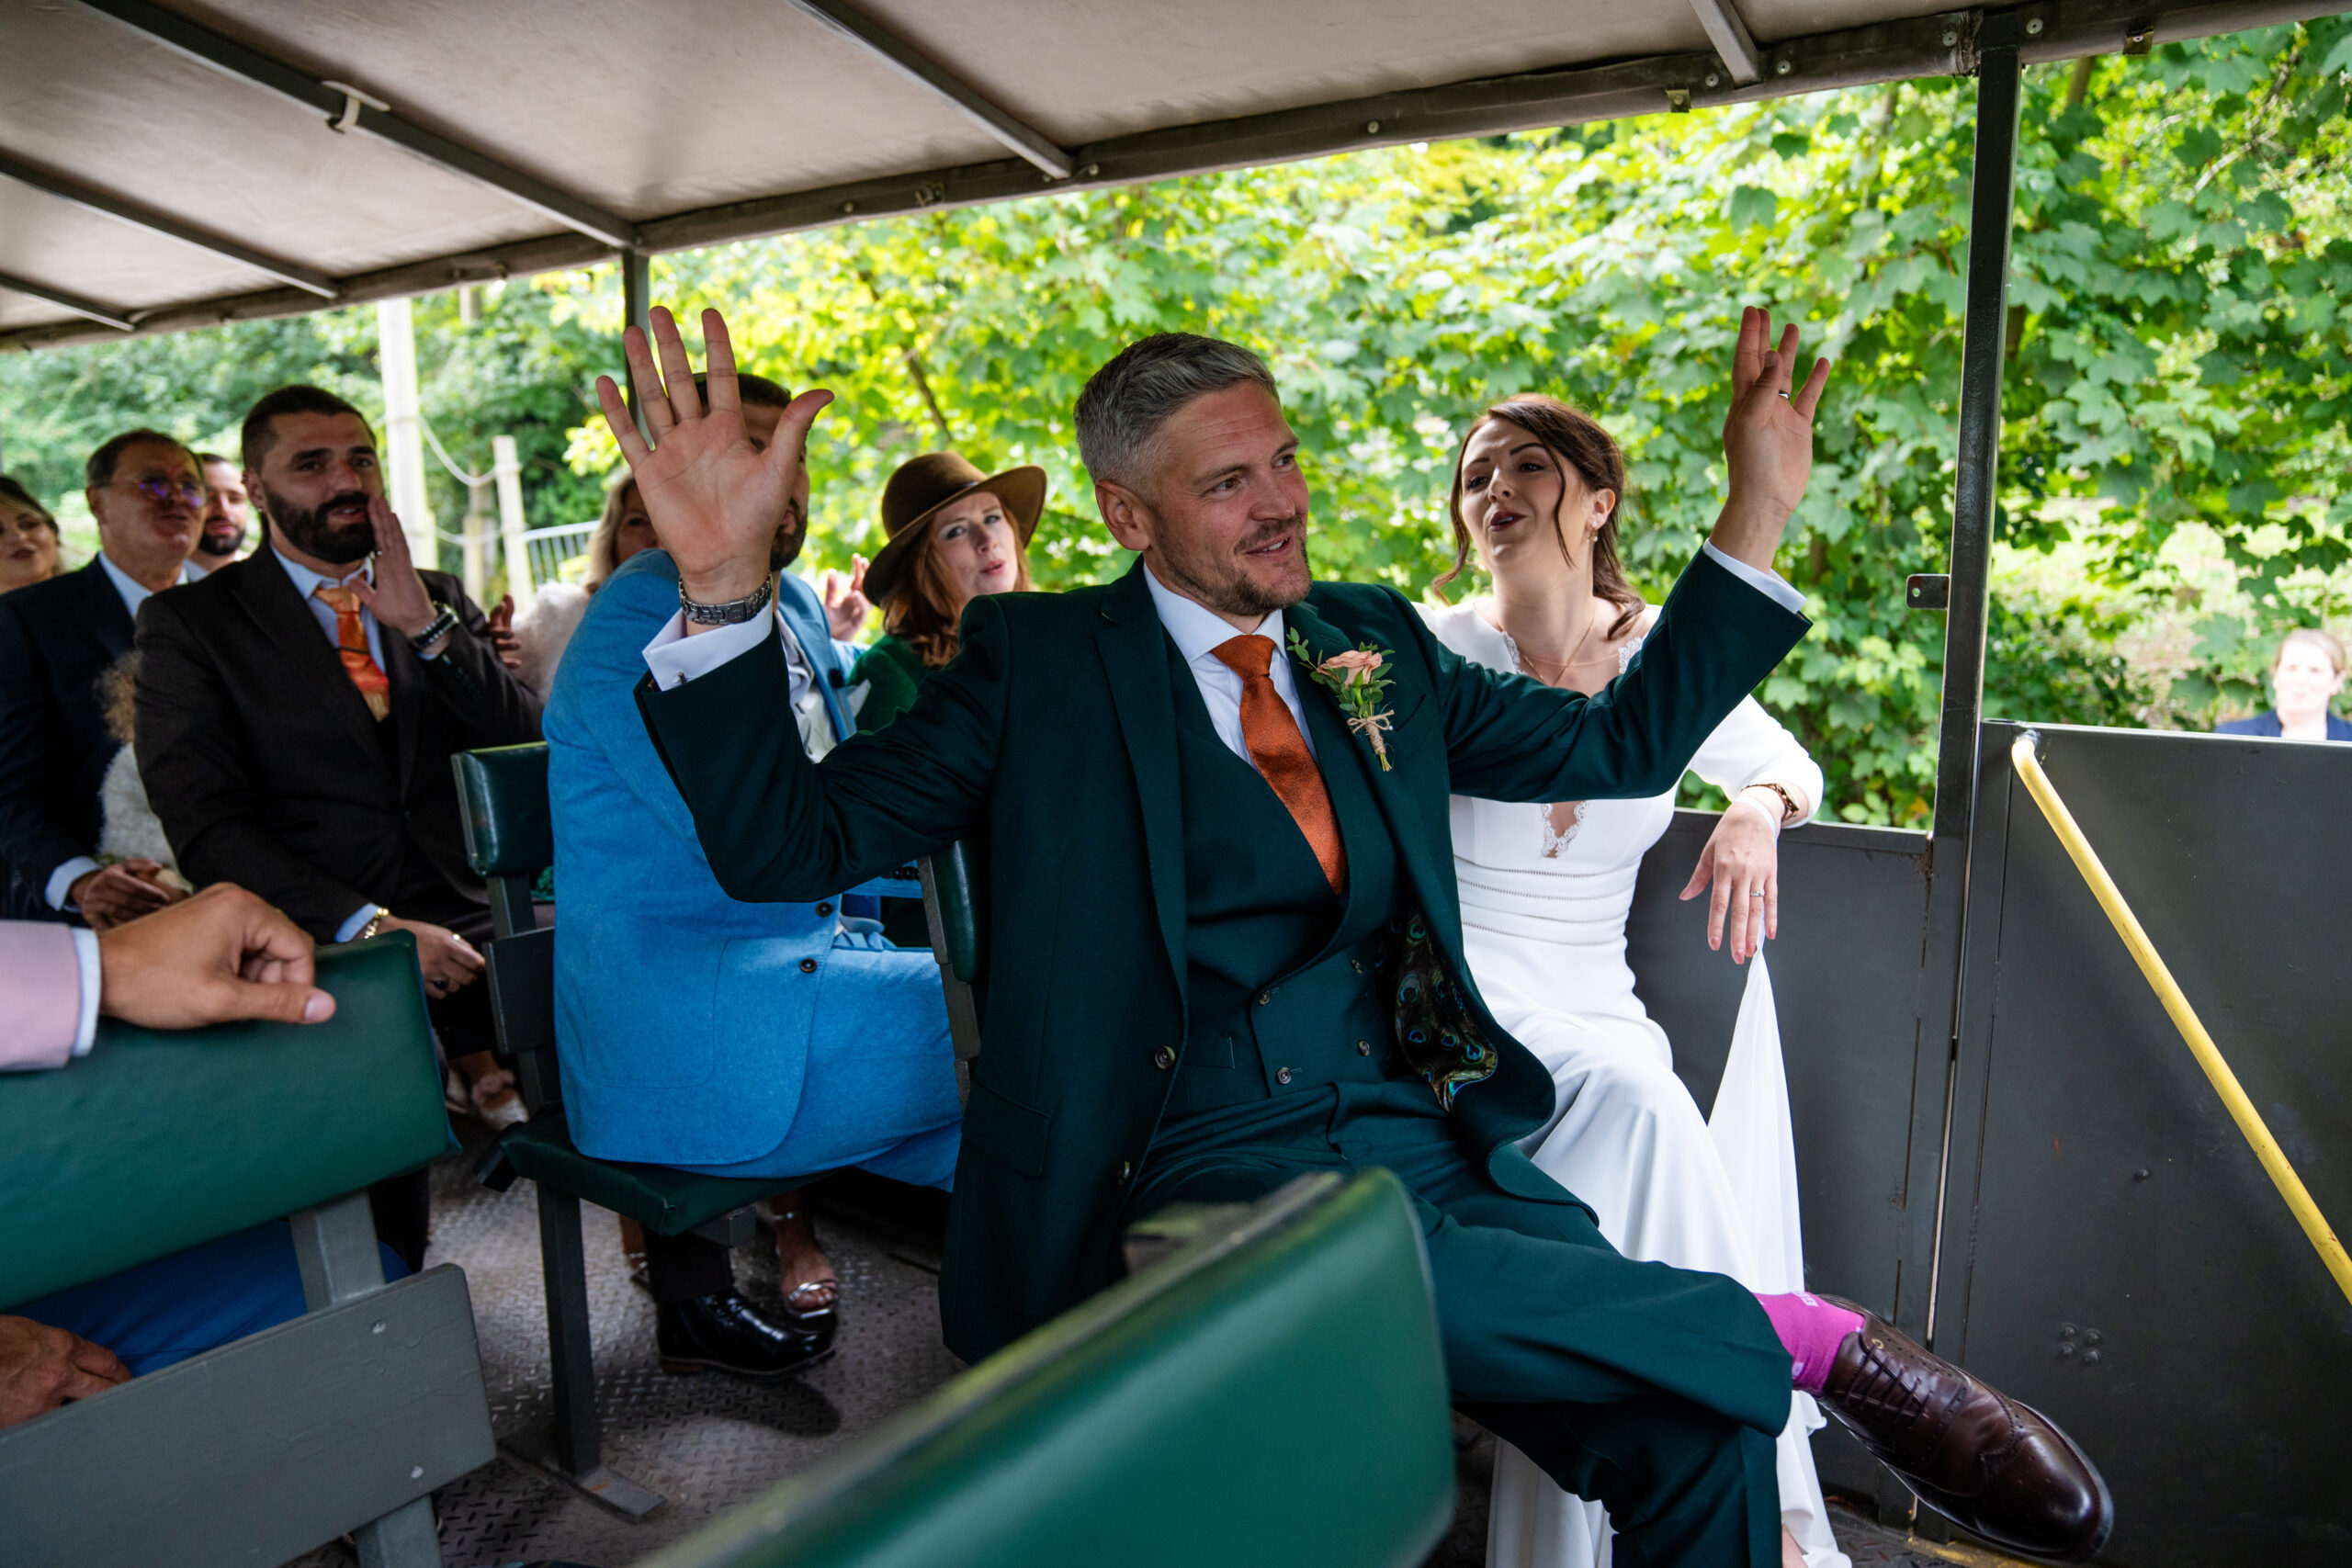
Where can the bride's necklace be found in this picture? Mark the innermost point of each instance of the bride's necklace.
(1536, 666)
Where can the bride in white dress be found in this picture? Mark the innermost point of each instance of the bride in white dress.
(1545, 890)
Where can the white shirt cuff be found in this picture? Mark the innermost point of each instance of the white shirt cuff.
(356, 922)
(85, 948)
(675, 658)
(1770, 585)
(62, 880)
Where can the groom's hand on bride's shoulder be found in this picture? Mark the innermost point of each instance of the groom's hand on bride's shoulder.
(1767, 439)
(715, 499)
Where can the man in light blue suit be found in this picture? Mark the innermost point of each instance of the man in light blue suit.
(737, 1039)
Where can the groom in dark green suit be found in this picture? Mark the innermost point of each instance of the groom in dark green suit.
(1227, 943)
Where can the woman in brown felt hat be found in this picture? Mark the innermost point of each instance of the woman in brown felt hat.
(954, 534)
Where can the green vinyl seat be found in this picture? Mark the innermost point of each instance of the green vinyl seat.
(1269, 1393)
(344, 1419)
(510, 839)
(659, 1196)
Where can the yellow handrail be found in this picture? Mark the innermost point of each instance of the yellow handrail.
(2201, 1044)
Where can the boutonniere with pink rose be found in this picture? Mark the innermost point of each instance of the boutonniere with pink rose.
(1355, 679)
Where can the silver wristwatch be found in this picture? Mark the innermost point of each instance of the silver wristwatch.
(735, 611)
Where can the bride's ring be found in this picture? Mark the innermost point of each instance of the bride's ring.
(1756, 894)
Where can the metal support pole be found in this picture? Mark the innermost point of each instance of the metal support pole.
(403, 429)
(1991, 213)
(570, 1455)
(637, 310)
(506, 472)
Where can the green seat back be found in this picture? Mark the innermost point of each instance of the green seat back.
(503, 792)
(956, 929)
(1273, 1394)
(155, 1142)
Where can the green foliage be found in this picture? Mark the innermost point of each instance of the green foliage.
(2176, 359)
(519, 371)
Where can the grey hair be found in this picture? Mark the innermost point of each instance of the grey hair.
(1127, 402)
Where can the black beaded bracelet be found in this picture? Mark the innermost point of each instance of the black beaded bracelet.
(440, 626)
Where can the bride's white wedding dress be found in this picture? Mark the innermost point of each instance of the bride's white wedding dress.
(1545, 890)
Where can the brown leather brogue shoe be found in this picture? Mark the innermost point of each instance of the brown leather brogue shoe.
(1996, 1468)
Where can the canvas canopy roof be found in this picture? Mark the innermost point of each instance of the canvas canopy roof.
(165, 167)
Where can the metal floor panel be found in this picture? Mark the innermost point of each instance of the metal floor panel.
(706, 1443)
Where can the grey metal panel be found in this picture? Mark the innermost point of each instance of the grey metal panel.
(2096, 1180)
(1846, 973)
(258, 1450)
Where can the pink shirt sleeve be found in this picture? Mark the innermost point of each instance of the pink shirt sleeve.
(41, 995)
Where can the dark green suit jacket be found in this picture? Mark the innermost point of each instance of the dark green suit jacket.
(1054, 734)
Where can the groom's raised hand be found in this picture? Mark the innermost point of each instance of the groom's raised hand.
(1767, 439)
(715, 500)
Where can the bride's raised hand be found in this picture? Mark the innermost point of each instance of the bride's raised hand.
(715, 499)
(1767, 439)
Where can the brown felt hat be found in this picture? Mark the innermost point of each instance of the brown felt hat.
(922, 486)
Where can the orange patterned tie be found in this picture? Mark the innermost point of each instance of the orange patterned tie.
(351, 643)
(1271, 733)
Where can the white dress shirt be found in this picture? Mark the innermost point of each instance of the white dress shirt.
(61, 881)
(675, 658)
(306, 583)
(1198, 631)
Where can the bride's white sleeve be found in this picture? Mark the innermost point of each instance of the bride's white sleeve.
(1751, 747)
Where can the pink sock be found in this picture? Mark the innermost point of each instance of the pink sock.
(1811, 1330)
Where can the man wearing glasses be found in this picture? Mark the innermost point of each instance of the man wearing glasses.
(57, 638)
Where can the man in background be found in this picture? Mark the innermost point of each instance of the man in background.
(228, 515)
(56, 639)
(297, 712)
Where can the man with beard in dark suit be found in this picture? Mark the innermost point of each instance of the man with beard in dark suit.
(296, 710)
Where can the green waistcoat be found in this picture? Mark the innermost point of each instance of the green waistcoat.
(1284, 984)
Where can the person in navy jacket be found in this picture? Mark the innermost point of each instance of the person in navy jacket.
(2305, 677)
(737, 1039)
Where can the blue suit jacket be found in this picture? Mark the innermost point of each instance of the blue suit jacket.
(683, 1017)
(2267, 723)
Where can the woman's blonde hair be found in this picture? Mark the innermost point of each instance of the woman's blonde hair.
(606, 538)
(2327, 645)
(922, 607)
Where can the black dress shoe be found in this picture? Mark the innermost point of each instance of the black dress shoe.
(727, 1333)
(1994, 1467)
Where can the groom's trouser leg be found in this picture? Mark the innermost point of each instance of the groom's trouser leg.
(1681, 1484)
(1656, 1391)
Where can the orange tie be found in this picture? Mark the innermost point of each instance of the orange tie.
(351, 643)
(1271, 733)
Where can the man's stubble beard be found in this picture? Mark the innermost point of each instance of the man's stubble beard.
(304, 528)
(221, 547)
(1233, 591)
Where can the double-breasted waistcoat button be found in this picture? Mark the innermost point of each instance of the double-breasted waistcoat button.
(808, 966)
(1357, 965)
(1163, 1058)
(824, 908)
(1120, 1176)
(1282, 1075)
(1265, 996)
(1363, 1048)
